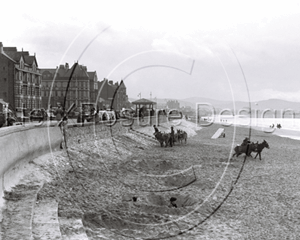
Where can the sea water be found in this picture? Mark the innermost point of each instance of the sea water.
(290, 127)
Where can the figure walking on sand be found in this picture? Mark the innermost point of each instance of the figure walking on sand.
(58, 112)
(155, 129)
(62, 123)
(172, 137)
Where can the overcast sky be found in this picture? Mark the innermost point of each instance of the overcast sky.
(226, 50)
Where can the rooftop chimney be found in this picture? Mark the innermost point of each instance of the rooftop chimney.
(111, 82)
(1, 47)
(67, 65)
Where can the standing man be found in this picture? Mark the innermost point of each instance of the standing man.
(62, 122)
(59, 112)
(6, 115)
(172, 137)
(155, 129)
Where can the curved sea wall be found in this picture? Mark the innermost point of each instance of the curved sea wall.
(21, 144)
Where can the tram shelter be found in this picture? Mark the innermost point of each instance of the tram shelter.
(144, 106)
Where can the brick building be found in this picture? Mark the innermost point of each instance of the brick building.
(20, 79)
(113, 92)
(83, 85)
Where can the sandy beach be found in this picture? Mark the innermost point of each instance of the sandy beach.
(120, 187)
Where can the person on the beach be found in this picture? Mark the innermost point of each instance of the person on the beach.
(59, 112)
(155, 129)
(245, 142)
(141, 113)
(172, 137)
(63, 124)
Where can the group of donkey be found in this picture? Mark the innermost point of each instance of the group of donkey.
(167, 139)
(251, 147)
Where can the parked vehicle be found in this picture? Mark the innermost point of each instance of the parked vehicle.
(2, 120)
(87, 112)
(127, 113)
(105, 115)
(38, 115)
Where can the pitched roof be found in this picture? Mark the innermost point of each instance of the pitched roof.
(143, 101)
(16, 56)
(91, 74)
(30, 59)
(79, 71)
(4, 54)
(122, 84)
(62, 71)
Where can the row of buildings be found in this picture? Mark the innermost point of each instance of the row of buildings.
(24, 85)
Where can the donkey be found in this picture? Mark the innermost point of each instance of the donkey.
(182, 135)
(162, 138)
(247, 149)
(259, 147)
(251, 147)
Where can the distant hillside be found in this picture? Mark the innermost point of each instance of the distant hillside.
(272, 104)
(277, 104)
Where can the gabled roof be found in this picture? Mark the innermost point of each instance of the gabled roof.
(16, 56)
(122, 84)
(92, 74)
(4, 54)
(143, 101)
(30, 59)
(80, 71)
(62, 71)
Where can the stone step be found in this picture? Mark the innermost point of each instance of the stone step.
(45, 223)
(72, 229)
(18, 214)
